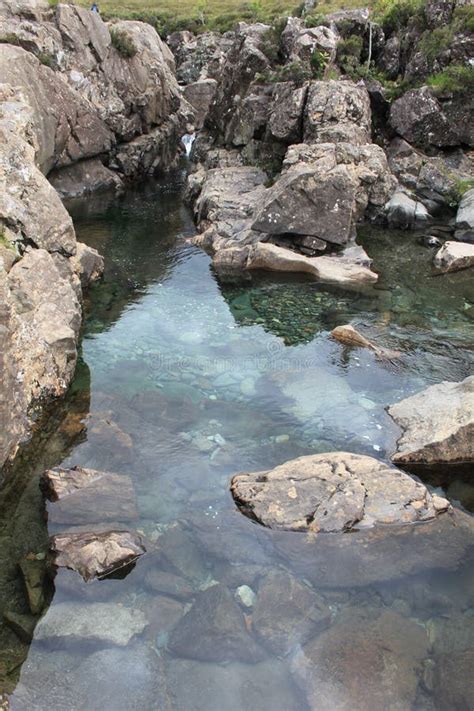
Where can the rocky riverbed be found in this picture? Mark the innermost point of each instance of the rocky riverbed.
(129, 575)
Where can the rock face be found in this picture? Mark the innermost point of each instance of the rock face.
(96, 555)
(214, 630)
(465, 217)
(334, 492)
(99, 623)
(69, 101)
(454, 256)
(337, 111)
(80, 496)
(437, 424)
(369, 660)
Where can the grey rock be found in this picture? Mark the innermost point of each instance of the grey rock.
(465, 217)
(337, 111)
(87, 263)
(82, 496)
(437, 424)
(287, 613)
(419, 118)
(454, 256)
(200, 95)
(97, 623)
(165, 583)
(87, 176)
(405, 213)
(334, 492)
(285, 121)
(214, 630)
(453, 682)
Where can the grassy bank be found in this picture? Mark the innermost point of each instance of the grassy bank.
(199, 15)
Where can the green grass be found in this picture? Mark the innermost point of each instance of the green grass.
(456, 79)
(200, 15)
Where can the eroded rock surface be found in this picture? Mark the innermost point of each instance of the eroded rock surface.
(437, 424)
(95, 554)
(334, 492)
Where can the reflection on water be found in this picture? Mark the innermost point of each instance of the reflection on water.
(184, 381)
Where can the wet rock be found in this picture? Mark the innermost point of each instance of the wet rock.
(97, 623)
(245, 595)
(337, 111)
(336, 269)
(83, 178)
(33, 569)
(182, 553)
(465, 217)
(453, 680)
(405, 213)
(437, 424)
(160, 581)
(88, 264)
(334, 492)
(162, 613)
(287, 613)
(94, 554)
(430, 241)
(348, 335)
(454, 256)
(451, 633)
(418, 117)
(369, 660)
(81, 496)
(213, 687)
(214, 630)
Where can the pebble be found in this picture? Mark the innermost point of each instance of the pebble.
(245, 595)
(279, 439)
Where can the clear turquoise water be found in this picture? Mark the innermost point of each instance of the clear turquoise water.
(184, 381)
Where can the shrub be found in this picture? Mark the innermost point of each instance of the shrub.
(315, 19)
(47, 59)
(349, 53)
(393, 15)
(319, 62)
(463, 17)
(456, 79)
(123, 43)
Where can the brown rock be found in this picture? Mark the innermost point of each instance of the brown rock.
(96, 555)
(333, 492)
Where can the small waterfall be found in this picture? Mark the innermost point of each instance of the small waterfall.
(188, 140)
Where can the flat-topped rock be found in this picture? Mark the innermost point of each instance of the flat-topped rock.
(94, 554)
(80, 496)
(437, 424)
(454, 256)
(99, 623)
(334, 492)
(346, 268)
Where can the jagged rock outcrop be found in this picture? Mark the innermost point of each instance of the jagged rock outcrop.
(334, 492)
(438, 426)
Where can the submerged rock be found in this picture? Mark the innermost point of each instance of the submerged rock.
(99, 623)
(81, 496)
(94, 554)
(437, 424)
(214, 630)
(454, 256)
(350, 337)
(334, 492)
(287, 612)
(368, 660)
(453, 680)
(33, 569)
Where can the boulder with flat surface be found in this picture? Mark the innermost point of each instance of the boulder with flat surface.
(334, 492)
(454, 256)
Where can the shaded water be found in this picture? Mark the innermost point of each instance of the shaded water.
(184, 381)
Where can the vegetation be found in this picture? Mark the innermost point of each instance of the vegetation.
(456, 79)
(123, 43)
(9, 38)
(47, 59)
(393, 15)
(5, 242)
(349, 53)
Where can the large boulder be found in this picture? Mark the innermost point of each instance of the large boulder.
(87, 176)
(403, 212)
(438, 426)
(334, 492)
(337, 111)
(369, 659)
(419, 118)
(454, 256)
(465, 217)
(200, 94)
(214, 630)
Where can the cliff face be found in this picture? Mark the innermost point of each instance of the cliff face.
(81, 107)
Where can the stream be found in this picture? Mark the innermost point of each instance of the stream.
(184, 380)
